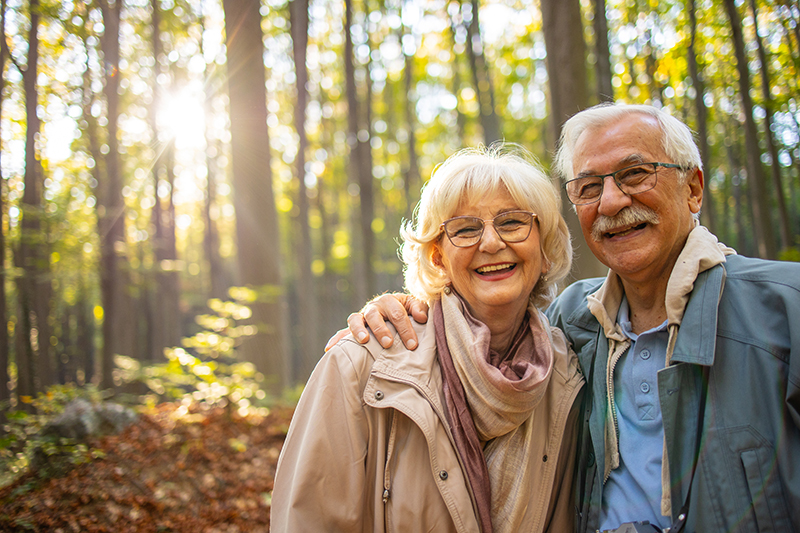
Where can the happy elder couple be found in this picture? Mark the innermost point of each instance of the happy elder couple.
(667, 392)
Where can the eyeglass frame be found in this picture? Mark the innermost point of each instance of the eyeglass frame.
(613, 176)
(534, 218)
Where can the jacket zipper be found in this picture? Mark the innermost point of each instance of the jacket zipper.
(610, 388)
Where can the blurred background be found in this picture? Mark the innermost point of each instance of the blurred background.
(183, 180)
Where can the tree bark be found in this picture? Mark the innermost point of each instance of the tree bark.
(482, 79)
(605, 90)
(775, 167)
(33, 363)
(156, 336)
(217, 284)
(254, 201)
(111, 207)
(566, 71)
(360, 174)
(5, 392)
(708, 215)
(461, 118)
(755, 176)
(306, 286)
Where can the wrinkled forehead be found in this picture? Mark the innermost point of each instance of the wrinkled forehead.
(632, 139)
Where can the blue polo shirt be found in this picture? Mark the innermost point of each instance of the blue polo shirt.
(633, 491)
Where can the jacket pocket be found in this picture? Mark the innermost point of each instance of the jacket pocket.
(766, 495)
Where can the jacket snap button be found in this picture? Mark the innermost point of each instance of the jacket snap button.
(379, 395)
(443, 475)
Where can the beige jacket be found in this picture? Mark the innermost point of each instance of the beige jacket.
(369, 449)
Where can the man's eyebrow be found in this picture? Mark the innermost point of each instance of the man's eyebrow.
(633, 159)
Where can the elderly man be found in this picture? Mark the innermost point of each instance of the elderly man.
(692, 351)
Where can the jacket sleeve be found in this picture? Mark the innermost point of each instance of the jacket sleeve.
(793, 386)
(320, 479)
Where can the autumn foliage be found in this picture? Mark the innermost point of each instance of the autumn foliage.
(175, 470)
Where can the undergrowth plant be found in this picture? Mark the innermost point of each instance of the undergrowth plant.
(205, 370)
(23, 436)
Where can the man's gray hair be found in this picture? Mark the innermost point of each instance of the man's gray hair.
(677, 140)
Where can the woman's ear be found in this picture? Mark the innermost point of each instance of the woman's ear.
(436, 257)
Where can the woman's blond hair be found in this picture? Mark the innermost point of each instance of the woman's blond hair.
(465, 177)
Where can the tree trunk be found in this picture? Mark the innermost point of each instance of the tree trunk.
(733, 150)
(482, 79)
(87, 315)
(156, 337)
(85, 337)
(708, 215)
(306, 289)
(32, 360)
(605, 91)
(566, 71)
(413, 183)
(167, 261)
(361, 175)
(5, 393)
(254, 201)
(777, 180)
(216, 276)
(755, 176)
(111, 207)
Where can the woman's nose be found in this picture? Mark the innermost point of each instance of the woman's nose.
(490, 240)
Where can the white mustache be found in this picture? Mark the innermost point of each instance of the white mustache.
(630, 216)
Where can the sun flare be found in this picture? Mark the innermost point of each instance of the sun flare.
(182, 118)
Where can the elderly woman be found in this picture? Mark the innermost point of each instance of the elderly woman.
(475, 430)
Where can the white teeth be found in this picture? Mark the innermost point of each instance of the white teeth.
(493, 268)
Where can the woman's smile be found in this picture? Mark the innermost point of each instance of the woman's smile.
(494, 277)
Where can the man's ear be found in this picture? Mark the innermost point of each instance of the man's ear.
(695, 182)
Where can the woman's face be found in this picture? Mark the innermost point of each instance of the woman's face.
(493, 276)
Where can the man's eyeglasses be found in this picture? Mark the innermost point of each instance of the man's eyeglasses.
(631, 180)
(511, 226)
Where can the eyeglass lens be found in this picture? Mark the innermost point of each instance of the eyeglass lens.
(631, 180)
(513, 226)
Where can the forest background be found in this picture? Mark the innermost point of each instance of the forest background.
(196, 193)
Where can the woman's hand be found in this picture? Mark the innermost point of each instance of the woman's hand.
(392, 307)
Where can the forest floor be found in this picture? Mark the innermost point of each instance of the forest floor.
(204, 472)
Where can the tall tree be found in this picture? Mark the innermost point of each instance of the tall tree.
(755, 175)
(566, 71)
(777, 179)
(358, 138)
(5, 393)
(254, 200)
(411, 176)
(110, 204)
(309, 342)
(605, 90)
(32, 346)
(217, 283)
(482, 77)
(701, 115)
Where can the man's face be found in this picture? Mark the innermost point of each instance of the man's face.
(639, 237)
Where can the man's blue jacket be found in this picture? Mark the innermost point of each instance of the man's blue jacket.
(741, 350)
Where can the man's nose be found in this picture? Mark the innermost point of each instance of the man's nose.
(612, 200)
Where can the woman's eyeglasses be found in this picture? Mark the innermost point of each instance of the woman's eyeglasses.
(511, 226)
